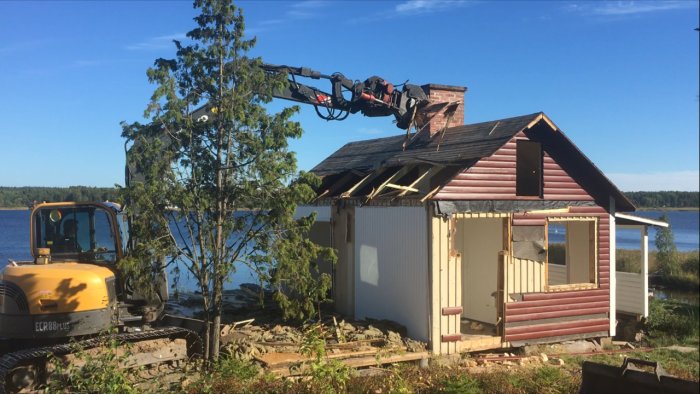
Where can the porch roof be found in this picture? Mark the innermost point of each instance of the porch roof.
(627, 219)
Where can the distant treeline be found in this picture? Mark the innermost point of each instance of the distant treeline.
(16, 197)
(665, 199)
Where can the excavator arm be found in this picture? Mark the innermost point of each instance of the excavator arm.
(373, 97)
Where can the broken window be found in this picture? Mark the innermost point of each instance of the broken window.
(528, 170)
(571, 252)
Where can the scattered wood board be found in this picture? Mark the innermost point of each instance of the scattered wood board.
(352, 360)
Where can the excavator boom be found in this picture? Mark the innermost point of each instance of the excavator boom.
(372, 97)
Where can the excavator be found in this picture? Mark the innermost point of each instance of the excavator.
(72, 289)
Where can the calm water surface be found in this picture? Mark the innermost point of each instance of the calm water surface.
(14, 238)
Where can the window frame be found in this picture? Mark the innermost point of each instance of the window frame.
(593, 263)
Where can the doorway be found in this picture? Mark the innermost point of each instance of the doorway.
(479, 241)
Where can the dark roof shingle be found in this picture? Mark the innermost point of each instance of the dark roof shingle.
(459, 145)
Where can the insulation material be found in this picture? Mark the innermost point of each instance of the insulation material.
(529, 243)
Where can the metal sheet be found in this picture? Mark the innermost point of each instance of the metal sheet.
(391, 266)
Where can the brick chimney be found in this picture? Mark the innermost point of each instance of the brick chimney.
(438, 112)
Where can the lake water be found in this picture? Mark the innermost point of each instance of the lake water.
(14, 238)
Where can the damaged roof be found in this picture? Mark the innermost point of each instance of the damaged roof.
(377, 162)
(458, 146)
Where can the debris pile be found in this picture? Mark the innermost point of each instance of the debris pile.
(277, 346)
(251, 341)
(263, 337)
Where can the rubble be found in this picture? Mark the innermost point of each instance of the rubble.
(251, 341)
(263, 337)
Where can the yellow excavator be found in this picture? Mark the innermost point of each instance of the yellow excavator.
(73, 289)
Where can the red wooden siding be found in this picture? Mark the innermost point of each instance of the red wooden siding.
(493, 178)
(540, 317)
(578, 311)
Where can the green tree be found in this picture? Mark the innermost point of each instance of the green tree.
(667, 254)
(222, 192)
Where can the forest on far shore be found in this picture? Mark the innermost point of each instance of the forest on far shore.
(23, 197)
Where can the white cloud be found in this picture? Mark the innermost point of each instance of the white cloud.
(159, 42)
(412, 8)
(629, 8)
(308, 9)
(640, 7)
(688, 180)
(426, 6)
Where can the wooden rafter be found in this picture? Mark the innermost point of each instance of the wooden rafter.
(404, 188)
(415, 182)
(367, 178)
(337, 185)
(396, 175)
(430, 194)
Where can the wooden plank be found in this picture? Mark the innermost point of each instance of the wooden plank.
(477, 176)
(552, 302)
(364, 180)
(399, 173)
(554, 308)
(419, 179)
(563, 295)
(561, 313)
(558, 332)
(391, 359)
(404, 188)
(352, 362)
(450, 337)
(452, 310)
(458, 294)
(436, 253)
(481, 183)
(554, 326)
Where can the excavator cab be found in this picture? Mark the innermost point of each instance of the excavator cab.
(87, 232)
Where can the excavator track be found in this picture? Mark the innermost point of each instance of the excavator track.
(10, 361)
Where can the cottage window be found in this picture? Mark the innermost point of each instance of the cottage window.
(571, 253)
(528, 168)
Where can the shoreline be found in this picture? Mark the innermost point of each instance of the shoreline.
(686, 209)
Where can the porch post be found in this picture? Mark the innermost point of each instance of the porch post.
(644, 230)
(613, 270)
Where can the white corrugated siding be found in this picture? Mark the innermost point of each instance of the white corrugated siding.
(630, 293)
(391, 266)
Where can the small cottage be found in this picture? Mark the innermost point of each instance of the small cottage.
(477, 236)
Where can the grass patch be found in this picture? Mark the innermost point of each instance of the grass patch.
(682, 365)
(435, 379)
(629, 260)
(673, 322)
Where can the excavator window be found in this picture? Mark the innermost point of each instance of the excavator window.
(82, 233)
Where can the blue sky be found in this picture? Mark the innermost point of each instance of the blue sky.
(620, 78)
